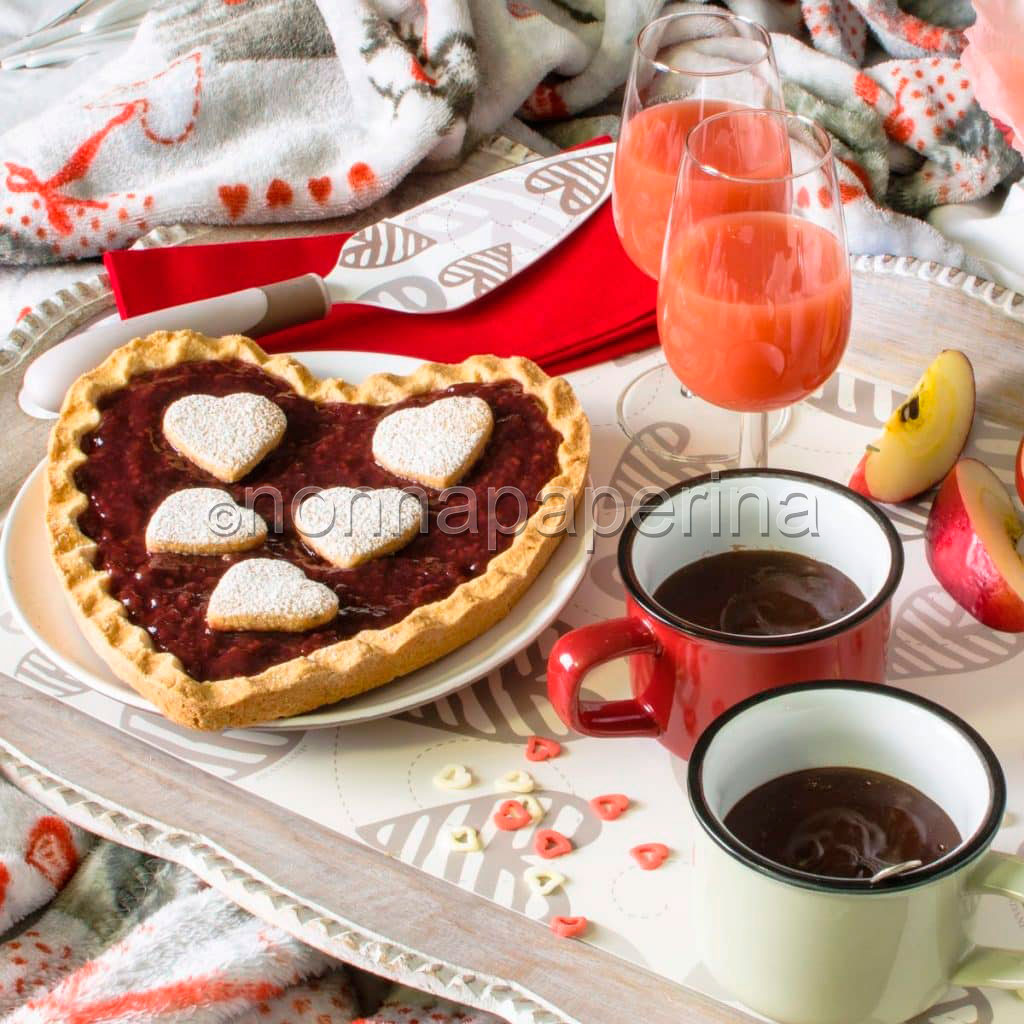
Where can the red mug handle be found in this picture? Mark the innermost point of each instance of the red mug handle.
(581, 650)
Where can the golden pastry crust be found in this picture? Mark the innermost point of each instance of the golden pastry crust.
(349, 667)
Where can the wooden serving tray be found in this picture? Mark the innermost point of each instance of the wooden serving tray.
(356, 903)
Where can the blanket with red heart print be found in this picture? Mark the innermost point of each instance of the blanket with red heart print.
(93, 933)
(255, 111)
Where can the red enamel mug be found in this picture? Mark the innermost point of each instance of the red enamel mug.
(684, 675)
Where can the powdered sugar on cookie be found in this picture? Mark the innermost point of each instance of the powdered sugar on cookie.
(266, 594)
(347, 526)
(203, 521)
(226, 436)
(434, 444)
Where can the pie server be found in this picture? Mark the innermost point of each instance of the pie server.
(438, 256)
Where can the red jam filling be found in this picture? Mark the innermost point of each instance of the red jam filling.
(130, 468)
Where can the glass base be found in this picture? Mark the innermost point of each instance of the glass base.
(656, 412)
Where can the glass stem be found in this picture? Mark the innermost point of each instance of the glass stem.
(753, 440)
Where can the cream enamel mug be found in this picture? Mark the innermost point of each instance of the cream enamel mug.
(804, 949)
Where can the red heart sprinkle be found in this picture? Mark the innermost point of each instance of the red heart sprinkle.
(650, 856)
(540, 748)
(511, 815)
(549, 844)
(568, 927)
(610, 806)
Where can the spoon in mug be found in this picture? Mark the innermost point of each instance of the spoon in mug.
(893, 869)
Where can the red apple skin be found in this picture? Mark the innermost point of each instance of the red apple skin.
(962, 565)
(858, 482)
(1020, 469)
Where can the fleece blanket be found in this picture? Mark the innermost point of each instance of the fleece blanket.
(92, 933)
(255, 111)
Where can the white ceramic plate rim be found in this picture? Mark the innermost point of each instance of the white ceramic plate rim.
(524, 623)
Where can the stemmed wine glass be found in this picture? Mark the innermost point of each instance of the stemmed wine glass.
(754, 296)
(686, 67)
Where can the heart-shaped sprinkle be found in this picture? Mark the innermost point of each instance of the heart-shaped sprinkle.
(203, 521)
(540, 748)
(225, 436)
(464, 839)
(347, 526)
(453, 776)
(549, 844)
(609, 806)
(511, 816)
(516, 781)
(434, 444)
(534, 808)
(269, 594)
(650, 856)
(568, 927)
(542, 880)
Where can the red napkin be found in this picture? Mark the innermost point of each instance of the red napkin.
(583, 303)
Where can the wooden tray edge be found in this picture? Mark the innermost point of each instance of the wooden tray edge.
(310, 923)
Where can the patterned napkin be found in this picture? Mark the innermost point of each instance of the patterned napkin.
(283, 110)
(98, 934)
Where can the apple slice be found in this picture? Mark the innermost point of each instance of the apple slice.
(1020, 469)
(971, 543)
(924, 436)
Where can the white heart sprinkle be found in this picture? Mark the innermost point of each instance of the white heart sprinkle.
(516, 781)
(225, 436)
(347, 526)
(541, 880)
(267, 593)
(203, 521)
(453, 776)
(465, 839)
(534, 808)
(434, 444)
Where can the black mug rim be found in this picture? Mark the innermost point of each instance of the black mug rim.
(955, 860)
(811, 636)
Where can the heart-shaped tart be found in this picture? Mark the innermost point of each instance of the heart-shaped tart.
(111, 466)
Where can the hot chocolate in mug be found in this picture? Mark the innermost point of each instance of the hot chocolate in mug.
(806, 949)
(682, 674)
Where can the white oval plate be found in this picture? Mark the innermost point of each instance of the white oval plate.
(37, 599)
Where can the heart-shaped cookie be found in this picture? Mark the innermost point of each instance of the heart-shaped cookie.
(225, 436)
(203, 521)
(347, 526)
(434, 444)
(269, 594)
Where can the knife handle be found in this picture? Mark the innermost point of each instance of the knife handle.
(253, 311)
